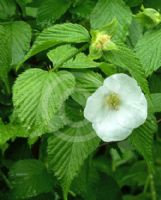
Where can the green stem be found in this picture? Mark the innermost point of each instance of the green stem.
(71, 56)
(146, 184)
(7, 86)
(152, 187)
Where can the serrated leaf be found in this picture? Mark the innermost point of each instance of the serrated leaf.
(156, 101)
(58, 34)
(68, 149)
(126, 58)
(11, 131)
(142, 139)
(5, 59)
(106, 10)
(83, 8)
(51, 10)
(148, 50)
(39, 94)
(29, 178)
(81, 61)
(20, 36)
(92, 185)
(7, 8)
(60, 54)
(86, 83)
(14, 42)
(135, 32)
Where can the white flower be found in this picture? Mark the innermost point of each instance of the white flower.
(116, 108)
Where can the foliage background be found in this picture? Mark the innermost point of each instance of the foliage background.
(48, 150)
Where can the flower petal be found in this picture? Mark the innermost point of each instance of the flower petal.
(109, 130)
(95, 108)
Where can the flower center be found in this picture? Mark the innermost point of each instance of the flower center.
(113, 101)
(102, 40)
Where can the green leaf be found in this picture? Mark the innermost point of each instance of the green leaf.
(106, 10)
(20, 36)
(135, 32)
(39, 94)
(5, 59)
(81, 61)
(63, 57)
(15, 39)
(58, 34)
(83, 8)
(86, 83)
(142, 140)
(148, 50)
(153, 4)
(92, 185)
(156, 101)
(7, 9)
(51, 10)
(68, 149)
(10, 131)
(126, 58)
(29, 178)
(61, 54)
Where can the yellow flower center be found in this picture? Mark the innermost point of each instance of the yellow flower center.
(113, 101)
(102, 40)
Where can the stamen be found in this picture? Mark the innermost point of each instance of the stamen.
(113, 101)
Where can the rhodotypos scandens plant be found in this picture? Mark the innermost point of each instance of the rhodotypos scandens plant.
(116, 108)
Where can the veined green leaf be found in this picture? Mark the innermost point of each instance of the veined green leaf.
(148, 49)
(106, 10)
(81, 61)
(39, 94)
(66, 56)
(68, 149)
(126, 58)
(5, 59)
(20, 36)
(83, 8)
(11, 131)
(29, 178)
(86, 83)
(15, 39)
(51, 10)
(7, 8)
(92, 184)
(142, 139)
(61, 54)
(58, 34)
(156, 101)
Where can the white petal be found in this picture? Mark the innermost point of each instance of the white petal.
(132, 115)
(109, 130)
(116, 125)
(133, 108)
(124, 85)
(95, 107)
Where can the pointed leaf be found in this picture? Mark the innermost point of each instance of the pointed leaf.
(142, 139)
(38, 95)
(60, 54)
(51, 10)
(68, 149)
(29, 178)
(148, 49)
(81, 61)
(106, 10)
(126, 58)
(58, 34)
